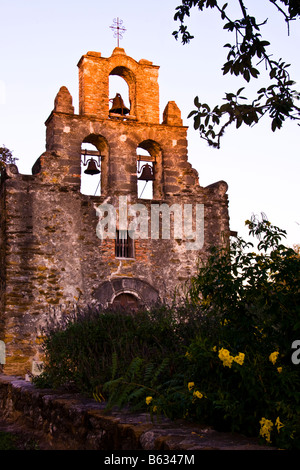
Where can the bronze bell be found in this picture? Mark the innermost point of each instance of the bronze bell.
(147, 173)
(92, 168)
(118, 106)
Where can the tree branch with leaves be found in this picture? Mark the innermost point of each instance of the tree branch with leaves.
(246, 55)
(6, 157)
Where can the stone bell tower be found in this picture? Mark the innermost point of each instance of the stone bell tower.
(60, 247)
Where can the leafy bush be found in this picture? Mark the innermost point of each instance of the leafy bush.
(94, 345)
(222, 359)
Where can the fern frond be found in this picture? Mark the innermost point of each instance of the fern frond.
(160, 369)
(134, 368)
(137, 392)
(114, 364)
(148, 374)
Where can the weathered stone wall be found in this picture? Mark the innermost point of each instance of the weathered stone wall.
(54, 257)
(69, 421)
(2, 256)
(50, 253)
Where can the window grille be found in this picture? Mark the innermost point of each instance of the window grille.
(124, 245)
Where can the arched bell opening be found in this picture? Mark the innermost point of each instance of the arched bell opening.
(121, 92)
(145, 174)
(94, 157)
(149, 170)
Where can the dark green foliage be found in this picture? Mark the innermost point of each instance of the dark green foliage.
(257, 288)
(253, 293)
(95, 345)
(224, 358)
(6, 156)
(246, 56)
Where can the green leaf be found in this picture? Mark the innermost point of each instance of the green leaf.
(227, 67)
(290, 82)
(192, 113)
(239, 121)
(206, 107)
(197, 121)
(264, 43)
(229, 96)
(225, 108)
(240, 90)
(196, 102)
(247, 75)
(276, 123)
(254, 72)
(230, 26)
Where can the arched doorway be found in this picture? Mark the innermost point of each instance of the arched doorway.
(126, 301)
(143, 293)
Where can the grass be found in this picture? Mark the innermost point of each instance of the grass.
(8, 441)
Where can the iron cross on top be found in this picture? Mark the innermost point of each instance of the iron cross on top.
(118, 29)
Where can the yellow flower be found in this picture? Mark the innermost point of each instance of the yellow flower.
(191, 385)
(148, 400)
(266, 428)
(225, 357)
(279, 369)
(198, 394)
(273, 357)
(239, 358)
(223, 353)
(278, 424)
(154, 409)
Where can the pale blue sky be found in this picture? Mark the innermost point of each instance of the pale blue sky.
(42, 42)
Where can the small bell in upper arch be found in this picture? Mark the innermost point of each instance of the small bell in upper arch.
(147, 173)
(118, 106)
(92, 168)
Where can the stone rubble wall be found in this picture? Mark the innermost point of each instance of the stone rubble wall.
(52, 254)
(72, 422)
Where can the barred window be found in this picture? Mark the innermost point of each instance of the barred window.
(124, 245)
